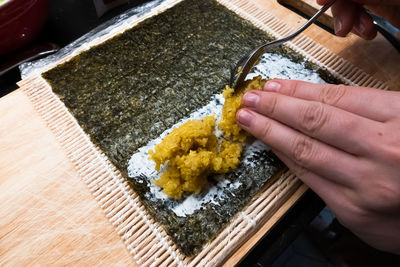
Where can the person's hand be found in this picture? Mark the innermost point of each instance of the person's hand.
(350, 15)
(343, 142)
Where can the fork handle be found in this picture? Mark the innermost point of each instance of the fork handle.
(302, 28)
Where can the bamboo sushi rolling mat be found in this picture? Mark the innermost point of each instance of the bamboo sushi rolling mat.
(48, 215)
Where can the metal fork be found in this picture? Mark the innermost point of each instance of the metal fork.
(245, 64)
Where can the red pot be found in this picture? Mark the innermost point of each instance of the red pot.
(20, 22)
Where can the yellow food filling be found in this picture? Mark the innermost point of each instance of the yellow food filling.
(233, 102)
(192, 151)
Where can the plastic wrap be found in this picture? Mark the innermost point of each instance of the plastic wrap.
(32, 67)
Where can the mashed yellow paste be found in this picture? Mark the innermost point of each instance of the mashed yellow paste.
(233, 102)
(192, 151)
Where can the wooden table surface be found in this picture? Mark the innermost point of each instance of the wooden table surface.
(47, 214)
(49, 217)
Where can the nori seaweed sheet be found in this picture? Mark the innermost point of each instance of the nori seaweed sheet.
(129, 89)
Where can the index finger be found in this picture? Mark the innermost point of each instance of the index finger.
(370, 103)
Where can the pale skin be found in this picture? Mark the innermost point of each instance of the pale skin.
(342, 141)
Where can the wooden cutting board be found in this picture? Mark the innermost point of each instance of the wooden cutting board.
(49, 217)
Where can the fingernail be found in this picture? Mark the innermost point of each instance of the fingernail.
(338, 27)
(245, 118)
(272, 86)
(250, 99)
